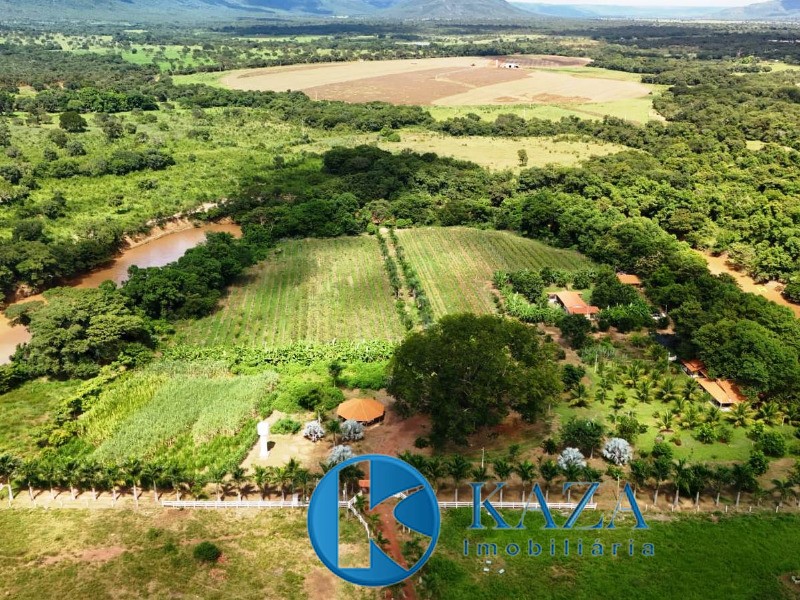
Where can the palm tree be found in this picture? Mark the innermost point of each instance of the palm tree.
(176, 477)
(572, 472)
(526, 471)
(713, 414)
(435, 470)
(72, 471)
(664, 420)
(741, 415)
(28, 472)
(784, 488)
(280, 477)
(503, 470)
(644, 391)
(459, 468)
(8, 468)
(720, 476)
(152, 474)
(113, 475)
(92, 475)
(690, 389)
(640, 473)
(239, 478)
(698, 478)
(480, 473)
(49, 471)
(666, 392)
(743, 479)
(334, 427)
(769, 412)
(682, 477)
(133, 468)
(549, 470)
(262, 477)
(217, 477)
(661, 470)
(579, 395)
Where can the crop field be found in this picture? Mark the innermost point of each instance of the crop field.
(456, 264)
(445, 81)
(315, 289)
(501, 153)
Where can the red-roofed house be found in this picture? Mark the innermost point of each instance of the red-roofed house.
(574, 304)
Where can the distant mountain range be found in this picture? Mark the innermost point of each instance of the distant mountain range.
(146, 10)
(461, 10)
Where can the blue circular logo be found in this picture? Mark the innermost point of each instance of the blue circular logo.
(389, 477)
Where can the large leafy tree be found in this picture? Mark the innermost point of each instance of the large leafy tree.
(469, 371)
(76, 331)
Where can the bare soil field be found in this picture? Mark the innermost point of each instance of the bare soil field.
(460, 81)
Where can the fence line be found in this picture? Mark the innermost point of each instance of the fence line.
(350, 505)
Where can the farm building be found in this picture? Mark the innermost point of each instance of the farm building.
(573, 304)
(694, 368)
(364, 410)
(626, 279)
(723, 393)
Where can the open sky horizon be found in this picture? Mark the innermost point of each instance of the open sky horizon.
(651, 3)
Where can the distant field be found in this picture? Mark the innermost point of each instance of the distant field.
(501, 153)
(456, 264)
(448, 81)
(310, 290)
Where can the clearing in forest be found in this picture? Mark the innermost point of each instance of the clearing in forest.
(453, 81)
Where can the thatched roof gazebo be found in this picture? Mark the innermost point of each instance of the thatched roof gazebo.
(364, 410)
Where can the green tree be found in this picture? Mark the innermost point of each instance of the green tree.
(72, 122)
(459, 468)
(468, 371)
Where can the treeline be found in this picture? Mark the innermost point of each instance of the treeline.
(76, 332)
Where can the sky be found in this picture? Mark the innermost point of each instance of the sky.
(698, 3)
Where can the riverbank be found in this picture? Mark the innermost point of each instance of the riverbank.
(160, 246)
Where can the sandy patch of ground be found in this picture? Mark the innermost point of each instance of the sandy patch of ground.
(283, 448)
(443, 81)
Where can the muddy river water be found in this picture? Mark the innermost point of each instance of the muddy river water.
(163, 249)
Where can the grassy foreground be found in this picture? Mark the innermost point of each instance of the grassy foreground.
(748, 557)
(120, 553)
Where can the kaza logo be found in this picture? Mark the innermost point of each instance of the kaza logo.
(389, 477)
(540, 504)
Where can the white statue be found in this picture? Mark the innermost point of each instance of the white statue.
(263, 438)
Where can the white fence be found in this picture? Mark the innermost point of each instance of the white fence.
(296, 503)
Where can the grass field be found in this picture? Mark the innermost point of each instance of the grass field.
(695, 558)
(26, 407)
(313, 289)
(501, 153)
(120, 553)
(456, 264)
(124, 554)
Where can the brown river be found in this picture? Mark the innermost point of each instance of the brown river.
(162, 249)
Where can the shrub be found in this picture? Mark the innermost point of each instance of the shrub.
(421, 442)
(352, 431)
(706, 433)
(297, 394)
(618, 451)
(207, 552)
(314, 431)
(285, 426)
(339, 454)
(364, 375)
(571, 457)
(772, 443)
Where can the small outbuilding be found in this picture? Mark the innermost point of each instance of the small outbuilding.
(366, 411)
(573, 304)
(626, 279)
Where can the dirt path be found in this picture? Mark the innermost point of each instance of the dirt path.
(389, 529)
(770, 290)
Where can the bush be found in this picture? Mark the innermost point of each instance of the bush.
(298, 394)
(570, 457)
(772, 443)
(421, 442)
(314, 431)
(352, 431)
(364, 376)
(618, 451)
(207, 552)
(286, 426)
(339, 454)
